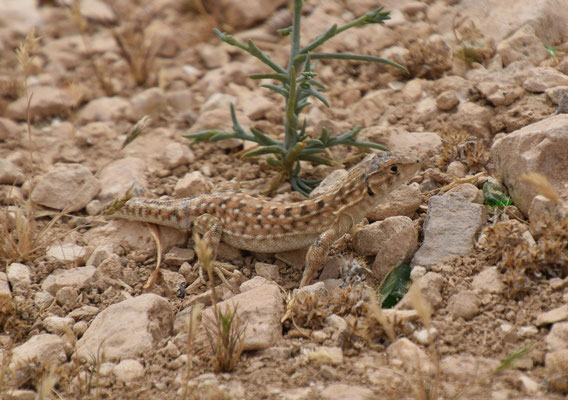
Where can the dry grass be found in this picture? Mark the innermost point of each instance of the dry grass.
(522, 258)
(458, 145)
(225, 331)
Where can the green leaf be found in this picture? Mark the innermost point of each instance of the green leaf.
(277, 77)
(395, 286)
(263, 138)
(278, 89)
(265, 150)
(495, 196)
(315, 159)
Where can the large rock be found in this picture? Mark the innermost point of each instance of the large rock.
(45, 102)
(450, 228)
(128, 329)
(44, 350)
(243, 14)
(261, 309)
(541, 147)
(68, 187)
(120, 176)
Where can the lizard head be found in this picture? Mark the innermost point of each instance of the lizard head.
(384, 172)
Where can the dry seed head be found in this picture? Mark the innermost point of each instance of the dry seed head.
(421, 305)
(542, 185)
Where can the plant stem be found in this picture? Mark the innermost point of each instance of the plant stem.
(295, 49)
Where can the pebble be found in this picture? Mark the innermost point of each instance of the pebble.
(128, 371)
(464, 304)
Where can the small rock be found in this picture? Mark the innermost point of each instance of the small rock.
(98, 255)
(555, 94)
(464, 304)
(431, 288)
(67, 252)
(465, 366)
(80, 328)
(10, 174)
(489, 280)
(128, 371)
(68, 187)
(220, 119)
(449, 230)
(474, 119)
(122, 175)
(44, 349)
(469, 191)
(256, 107)
(411, 357)
(106, 109)
(555, 315)
(176, 256)
(58, 325)
(151, 102)
(74, 277)
(67, 297)
(128, 329)
(325, 355)
(557, 338)
(9, 129)
(404, 201)
(556, 363)
(83, 312)
(447, 100)
(218, 101)
(176, 154)
(457, 169)
(192, 184)
(43, 299)
(523, 45)
(213, 56)
(244, 14)
(261, 309)
(46, 102)
(268, 271)
(341, 391)
(94, 132)
(541, 78)
(20, 394)
(540, 147)
(5, 294)
(412, 91)
(19, 277)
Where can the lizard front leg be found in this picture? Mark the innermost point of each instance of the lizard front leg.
(212, 237)
(318, 252)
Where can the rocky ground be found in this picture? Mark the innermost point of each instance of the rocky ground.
(485, 102)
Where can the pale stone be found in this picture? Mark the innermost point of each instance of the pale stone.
(128, 329)
(105, 109)
(213, 56)
(474, 119)
(10, 174)
(404, 201)
(411, 357)
(542, 78)
(449, 230)
(176, 154)
(340, 391)
(192, 184)
(325, 355)
(150, 102)
(46, 102)
(58, 325)
(555, 315)
(244, 14)
(268, 271)
(74, 277)
(540, 147)
(469, 191)
(447, 100)
(464, 304)
(261, 309)
(67, 252)
(68, 187)
(19, 276)
(489, 280)
(128, 371)
(43, 349)
(523, 45)
(5, 294)
(120, 176)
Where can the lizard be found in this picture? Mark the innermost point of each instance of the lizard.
(261, 225)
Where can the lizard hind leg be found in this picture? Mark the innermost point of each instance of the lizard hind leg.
(318, 252)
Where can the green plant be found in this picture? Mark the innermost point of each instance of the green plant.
(297, 89)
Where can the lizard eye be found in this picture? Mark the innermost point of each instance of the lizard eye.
(394, 169)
